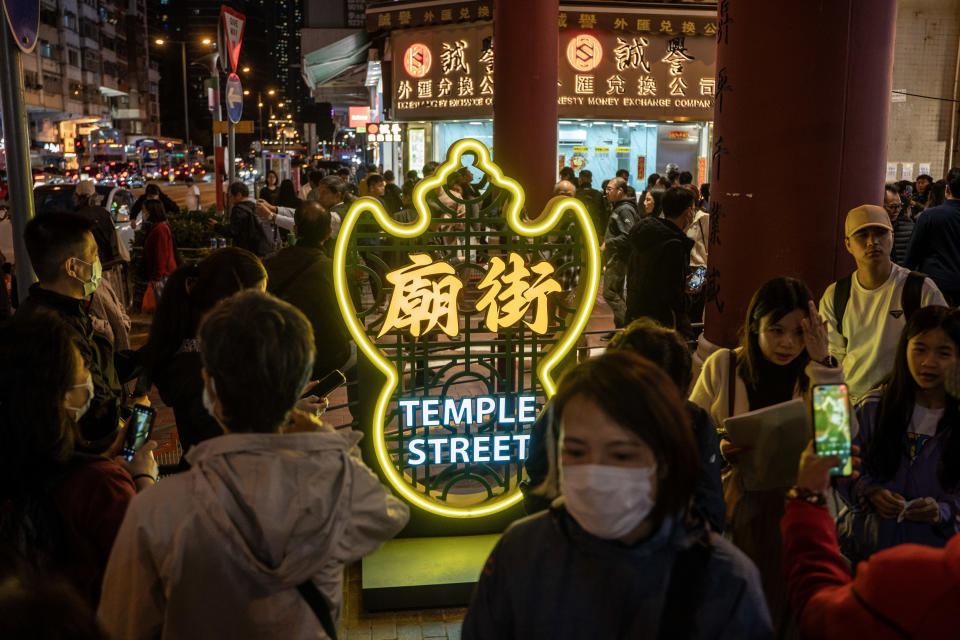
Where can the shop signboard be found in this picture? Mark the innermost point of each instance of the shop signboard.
(640, 66)
(474, 328)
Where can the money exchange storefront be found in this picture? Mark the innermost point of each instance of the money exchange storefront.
(635, 87)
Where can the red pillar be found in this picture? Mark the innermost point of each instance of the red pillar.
(525, 40)
(803, 93)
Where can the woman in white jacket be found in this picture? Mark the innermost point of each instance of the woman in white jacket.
(783, 351)
(225, 549)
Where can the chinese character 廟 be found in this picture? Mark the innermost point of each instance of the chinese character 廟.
(425, 89)
(465, 87)
(444, 87)
(620, 23)
(678, 87)
(510, 295)
(646, 86)
(404, 90)
(631, 55)
(688, 28)
(583, 84)
(616, 85)
(421, 300)
(707, 86)
(588, 20)
(453, 57)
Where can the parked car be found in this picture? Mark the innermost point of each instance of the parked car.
(59, 197)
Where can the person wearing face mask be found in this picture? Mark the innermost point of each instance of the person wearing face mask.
(64, 255)
(62, 508)
(657, 266)
(268, 512)
(782, 353)
(619, 555)
(909, 487)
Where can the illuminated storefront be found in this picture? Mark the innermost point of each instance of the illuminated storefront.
(636, 86)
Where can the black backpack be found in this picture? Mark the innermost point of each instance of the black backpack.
(909, 298)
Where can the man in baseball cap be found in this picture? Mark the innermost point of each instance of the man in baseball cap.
(866, 311)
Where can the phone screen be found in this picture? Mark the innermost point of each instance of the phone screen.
(695, 279)
(328, 384)
(138, 430)
(831, 425)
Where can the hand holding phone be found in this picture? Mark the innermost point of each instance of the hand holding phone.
(831, 425)
(139, 427)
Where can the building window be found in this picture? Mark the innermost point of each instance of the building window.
(51, 83)
(30, 80)
(91, 62)
(76, 90)
(46, 51)
(70, 20)
(73, 57)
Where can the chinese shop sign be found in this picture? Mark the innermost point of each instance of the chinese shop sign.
(641, 68)
(443, 298)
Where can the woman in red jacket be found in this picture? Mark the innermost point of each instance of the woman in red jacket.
(907, 591)
(158, 256)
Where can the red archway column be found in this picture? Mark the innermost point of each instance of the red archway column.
(525, 40)
(803, 93)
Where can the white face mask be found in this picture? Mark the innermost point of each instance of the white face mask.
(79, 411)
(208, 402)
(608, 501)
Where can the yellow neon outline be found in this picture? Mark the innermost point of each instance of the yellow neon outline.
(590, 277)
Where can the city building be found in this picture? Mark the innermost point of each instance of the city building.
(89, 80)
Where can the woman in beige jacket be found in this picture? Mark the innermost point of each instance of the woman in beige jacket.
(782, 353)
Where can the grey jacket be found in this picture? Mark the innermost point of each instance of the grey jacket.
(217, 552)
(622, 219)
(548, 578)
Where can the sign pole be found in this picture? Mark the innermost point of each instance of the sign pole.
(231, 151)
(19, 176)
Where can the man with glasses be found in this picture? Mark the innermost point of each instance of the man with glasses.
(901, 222)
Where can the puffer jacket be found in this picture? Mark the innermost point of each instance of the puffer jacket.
(656, 273)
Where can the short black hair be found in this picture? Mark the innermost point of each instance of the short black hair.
(188, 179)
(623, 173)
(566, 173)
(676, 200)
(152, 190)
(672, 175)
(374, 179)
(259, 351)
(52, 238)
(314, 177)
(388, 176)
(239, 189)
(664, 347)
(953, 181)
(430, 168)
(313, 223)
(685, 177)
(652, 180)
(343, 171)
(925, 176)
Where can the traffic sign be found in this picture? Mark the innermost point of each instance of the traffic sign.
(233, 23)
(23, 16)
(244, 126)
(234, 98)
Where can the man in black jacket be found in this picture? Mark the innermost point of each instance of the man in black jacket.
(244, 226)
(593, 201)
(657, 271)
(616, 248)
(303, 276)
(64, 255)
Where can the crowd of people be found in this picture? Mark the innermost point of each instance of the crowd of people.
(643, 519)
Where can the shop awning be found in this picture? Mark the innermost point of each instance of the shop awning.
(325, 64)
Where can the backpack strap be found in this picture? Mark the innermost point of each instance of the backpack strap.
(320, 606)
(912, 292)
(688, 583)
(841, 296)
(731, 383)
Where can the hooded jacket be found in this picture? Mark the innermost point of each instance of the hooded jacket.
(657, 271)
(622, 219)
(218, 551)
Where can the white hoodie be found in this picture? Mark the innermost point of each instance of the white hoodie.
(218, 551)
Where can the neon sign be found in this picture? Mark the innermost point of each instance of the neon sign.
(584, 52)
(428, 300)
(417, 60)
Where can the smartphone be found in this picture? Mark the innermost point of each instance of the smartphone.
(139, 427)
(831, 425)
(328, 384)
(695, 279)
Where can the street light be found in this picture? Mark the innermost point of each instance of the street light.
(246, 69)
(206, 41)
(186, 109)
(271, 92)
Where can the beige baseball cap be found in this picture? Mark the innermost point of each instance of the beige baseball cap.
(86, 188)
(866, 215)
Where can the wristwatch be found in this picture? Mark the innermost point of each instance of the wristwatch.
(800, 493)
